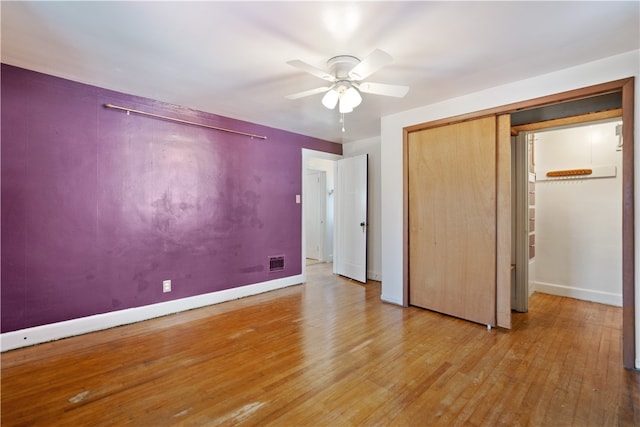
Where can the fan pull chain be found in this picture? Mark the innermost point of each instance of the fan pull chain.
(342, 120)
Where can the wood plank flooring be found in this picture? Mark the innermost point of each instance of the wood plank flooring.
(329, 352)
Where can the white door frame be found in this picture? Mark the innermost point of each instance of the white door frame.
(520, 301)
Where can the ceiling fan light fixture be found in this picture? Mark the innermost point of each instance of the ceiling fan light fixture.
(352, 97)
(330, 99)
(345, 107)
(346, 74)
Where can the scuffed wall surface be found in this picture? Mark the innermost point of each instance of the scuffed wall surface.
(99, 207)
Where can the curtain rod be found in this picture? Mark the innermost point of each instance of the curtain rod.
(186, 122)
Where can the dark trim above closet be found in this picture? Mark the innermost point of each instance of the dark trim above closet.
(561, 110)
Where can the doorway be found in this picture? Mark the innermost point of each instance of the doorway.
(526, 123)
(313, 163)
(600, 103)
(574, 206)
(314, 202)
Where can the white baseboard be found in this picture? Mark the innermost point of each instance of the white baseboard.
(83, 325)
(391, 300)
(579, 293)
(374, 275)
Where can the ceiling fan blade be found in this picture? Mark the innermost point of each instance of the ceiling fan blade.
(383, 89)
(308, 92)
(324, 75)
(369, 65)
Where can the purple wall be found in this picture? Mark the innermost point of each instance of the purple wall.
(98, 207)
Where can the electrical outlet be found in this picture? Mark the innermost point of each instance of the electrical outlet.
(166, 286)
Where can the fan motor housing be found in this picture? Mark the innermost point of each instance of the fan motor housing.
(341, 65)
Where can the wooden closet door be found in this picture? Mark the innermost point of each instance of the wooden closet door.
(453, 220)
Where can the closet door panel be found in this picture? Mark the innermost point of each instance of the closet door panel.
(452, 219)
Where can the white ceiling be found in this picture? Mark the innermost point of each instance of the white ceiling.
(229, 58)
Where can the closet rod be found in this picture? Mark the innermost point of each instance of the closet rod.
(186, 122)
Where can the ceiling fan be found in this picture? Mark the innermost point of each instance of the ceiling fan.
(346, 74)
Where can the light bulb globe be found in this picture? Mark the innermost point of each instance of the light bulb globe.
(330, 99)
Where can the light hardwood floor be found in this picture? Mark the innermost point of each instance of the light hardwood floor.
(331, 353)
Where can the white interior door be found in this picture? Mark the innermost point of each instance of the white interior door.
(350, 255)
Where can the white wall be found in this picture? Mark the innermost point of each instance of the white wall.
(578, 222)
(601, 71)
(371, 147)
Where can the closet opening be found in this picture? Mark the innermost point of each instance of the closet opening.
(566, 130)
(600, 102)
(604, 123)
